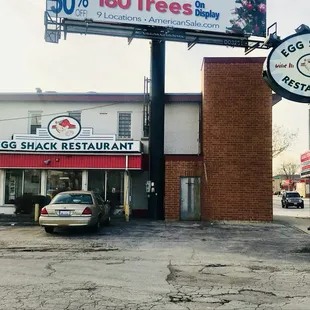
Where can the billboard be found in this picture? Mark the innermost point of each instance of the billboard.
(220, 16)
(305, 165)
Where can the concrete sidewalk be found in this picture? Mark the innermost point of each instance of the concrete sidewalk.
(297, 222)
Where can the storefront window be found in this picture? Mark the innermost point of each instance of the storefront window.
(32, 182)
(13, 185)
(96, 182)
(60, 181)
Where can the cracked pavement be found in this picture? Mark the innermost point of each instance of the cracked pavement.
(144, 265)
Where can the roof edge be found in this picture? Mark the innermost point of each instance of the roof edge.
(233, 60)
(94, 97)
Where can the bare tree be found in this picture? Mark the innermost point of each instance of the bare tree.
(282, 139)
(289, 169)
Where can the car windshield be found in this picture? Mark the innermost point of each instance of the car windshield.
(72, 198)
(292, 195)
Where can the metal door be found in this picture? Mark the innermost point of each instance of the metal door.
(190, 199)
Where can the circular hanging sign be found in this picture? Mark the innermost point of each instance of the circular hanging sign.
(64, 128)
(287, 68)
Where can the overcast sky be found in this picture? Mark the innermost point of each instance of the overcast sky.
(103, 64)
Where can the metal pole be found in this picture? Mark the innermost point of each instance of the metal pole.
(308, 126)
(36, 212)
(308, 149)
(157, 130)
(126, 192)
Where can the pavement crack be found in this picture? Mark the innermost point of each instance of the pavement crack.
(171, 276)
(213, 266)
(257, 291)
(193, 254)
(117, 263)
(50, 268)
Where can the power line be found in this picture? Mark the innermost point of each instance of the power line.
(58, 113)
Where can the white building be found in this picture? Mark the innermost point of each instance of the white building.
(106, 149)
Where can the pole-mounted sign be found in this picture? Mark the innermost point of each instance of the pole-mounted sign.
(287, 68)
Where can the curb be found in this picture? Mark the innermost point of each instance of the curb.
(12, 223)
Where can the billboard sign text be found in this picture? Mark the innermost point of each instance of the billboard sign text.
(229, 16)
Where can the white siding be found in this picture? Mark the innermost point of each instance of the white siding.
(182, 128)
(181, 124)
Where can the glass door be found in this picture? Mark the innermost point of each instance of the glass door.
(115, 188)
(96, 182)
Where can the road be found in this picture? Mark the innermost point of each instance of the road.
(144, 265)
(291, 211)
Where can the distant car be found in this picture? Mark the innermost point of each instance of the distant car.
(292, 199)
(75, 209)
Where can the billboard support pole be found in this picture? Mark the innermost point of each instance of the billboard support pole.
(309, 126)
(157, 126)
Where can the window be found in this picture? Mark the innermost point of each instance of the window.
(124, 125)
(73, 198)
(13, 185)
(32, 182)
(60, 181)
(76, 115)
(293, 195)
(21, 182)
(35, 121)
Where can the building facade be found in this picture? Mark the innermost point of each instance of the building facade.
(236, 139)
(108, 153)
(216, 144)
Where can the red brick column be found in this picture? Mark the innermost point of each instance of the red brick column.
(237, 140)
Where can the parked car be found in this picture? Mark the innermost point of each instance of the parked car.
(75, 209)
(292, 199)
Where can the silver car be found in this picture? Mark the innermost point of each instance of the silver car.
(75, 209)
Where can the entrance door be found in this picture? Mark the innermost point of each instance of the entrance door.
(190, 199)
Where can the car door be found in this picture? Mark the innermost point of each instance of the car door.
(105, 209)
(100, 205)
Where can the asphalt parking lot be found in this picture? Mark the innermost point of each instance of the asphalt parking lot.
(155, 265)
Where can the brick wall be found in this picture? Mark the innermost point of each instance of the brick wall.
(176, 167)
(236, 140)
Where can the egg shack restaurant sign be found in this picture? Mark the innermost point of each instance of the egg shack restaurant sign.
(65, 134)
(287, 68)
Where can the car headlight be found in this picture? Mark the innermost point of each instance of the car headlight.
(300, 200)
(289, 200)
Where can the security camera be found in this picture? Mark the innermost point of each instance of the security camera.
(47, 162)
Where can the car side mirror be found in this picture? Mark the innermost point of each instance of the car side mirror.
(302, 196)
